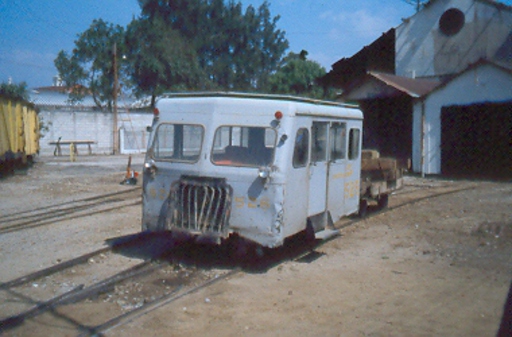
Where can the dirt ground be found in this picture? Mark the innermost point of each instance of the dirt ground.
(437, 266)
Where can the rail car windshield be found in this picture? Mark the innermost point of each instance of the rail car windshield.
(178, 142)
(244, 146)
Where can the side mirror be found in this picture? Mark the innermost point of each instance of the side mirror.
(282, 140)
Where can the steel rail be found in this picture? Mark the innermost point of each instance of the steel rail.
(46, 209)
(53, 269)
(77, 294)
(176, 294)
(151, 306)
(60, 218)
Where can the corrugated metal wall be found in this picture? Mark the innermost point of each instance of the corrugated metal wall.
(19, 130)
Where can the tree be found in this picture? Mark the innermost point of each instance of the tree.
(90, 68)
(176, 45)
(236, 50)
(159, 59)
(17, 92)
(297, 76)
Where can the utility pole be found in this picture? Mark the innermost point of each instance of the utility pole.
(115, 135)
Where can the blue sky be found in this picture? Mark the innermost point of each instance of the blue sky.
(32, 32)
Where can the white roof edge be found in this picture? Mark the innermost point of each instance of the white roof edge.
(229, 94)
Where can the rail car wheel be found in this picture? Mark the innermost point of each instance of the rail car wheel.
(240, 250)
(383, 201)
(363, 208)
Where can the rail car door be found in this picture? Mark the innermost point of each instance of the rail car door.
(318, 169)
(353, 169)
(337, 169)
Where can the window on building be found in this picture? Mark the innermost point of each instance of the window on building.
(452, 21)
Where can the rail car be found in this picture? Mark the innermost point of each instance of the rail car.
(19, 134)
(260, 168)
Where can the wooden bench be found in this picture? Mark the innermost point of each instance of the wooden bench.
(58, 149)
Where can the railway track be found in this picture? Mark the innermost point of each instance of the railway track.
(53, 269)
(69, 210)
(159, 282)
(410, 195)
(141, 288)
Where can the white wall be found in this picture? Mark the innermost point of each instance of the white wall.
(485, 83)
(87, 124)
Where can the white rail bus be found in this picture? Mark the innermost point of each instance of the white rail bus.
(257, 167)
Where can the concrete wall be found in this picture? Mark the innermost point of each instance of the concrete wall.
(422, 50)
(485, 83)
(88, 124)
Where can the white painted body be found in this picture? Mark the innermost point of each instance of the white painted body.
(262, 209)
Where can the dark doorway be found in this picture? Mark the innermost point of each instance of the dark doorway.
(476, 140)
(388, 126)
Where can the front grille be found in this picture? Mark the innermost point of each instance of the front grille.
(200, 205)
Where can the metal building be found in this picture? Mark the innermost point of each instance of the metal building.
(437, 89)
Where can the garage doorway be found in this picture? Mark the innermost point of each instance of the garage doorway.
(476, 141)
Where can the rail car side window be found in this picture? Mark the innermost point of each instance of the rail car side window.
(319, 142)
(244, 146)
(178, 142)
(301, 150)
(353, 144)
(338, 141)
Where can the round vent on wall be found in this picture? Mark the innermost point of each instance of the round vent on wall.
(452, 21)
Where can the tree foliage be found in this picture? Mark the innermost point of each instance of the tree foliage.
(183, 45)
(236, 49)
(16, 92)
(91, 64)
(160, 59)
(297, 76)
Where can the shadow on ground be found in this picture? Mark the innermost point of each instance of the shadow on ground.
(166, 247)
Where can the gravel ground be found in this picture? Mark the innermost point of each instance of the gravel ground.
(437, 266)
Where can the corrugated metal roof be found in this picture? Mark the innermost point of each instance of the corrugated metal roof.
(414, 87)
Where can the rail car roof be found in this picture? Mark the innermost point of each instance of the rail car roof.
(237, 103)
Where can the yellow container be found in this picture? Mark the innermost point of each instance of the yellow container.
(19, 130)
